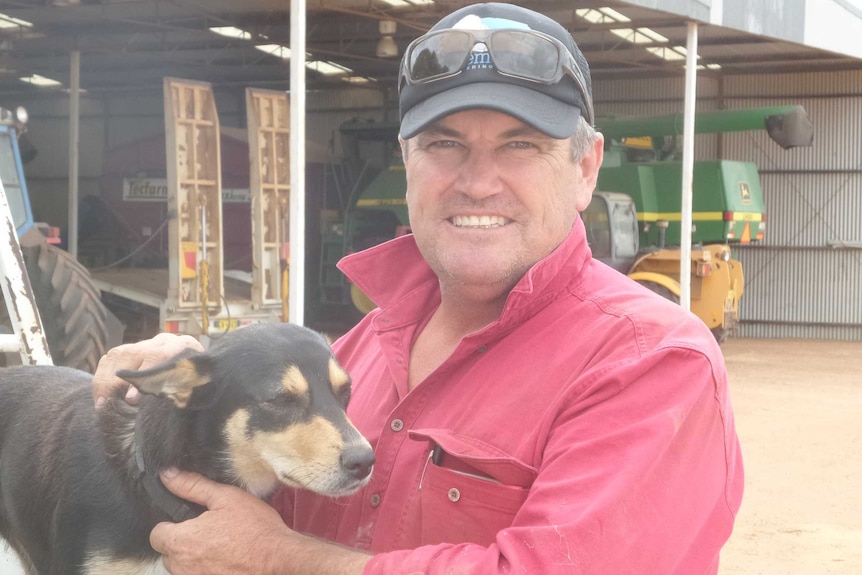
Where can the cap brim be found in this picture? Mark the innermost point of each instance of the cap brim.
(548, 115)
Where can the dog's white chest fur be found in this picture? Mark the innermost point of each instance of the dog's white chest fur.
(107, 566)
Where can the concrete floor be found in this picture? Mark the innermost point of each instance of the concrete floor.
(798, 407)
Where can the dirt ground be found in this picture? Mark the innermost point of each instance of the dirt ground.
(798, 407)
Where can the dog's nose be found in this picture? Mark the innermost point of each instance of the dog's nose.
(357, 461)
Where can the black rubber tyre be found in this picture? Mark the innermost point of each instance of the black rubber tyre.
(660, 290)
(721, 334)
(73, 316)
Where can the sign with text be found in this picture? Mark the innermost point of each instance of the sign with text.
(156, 190)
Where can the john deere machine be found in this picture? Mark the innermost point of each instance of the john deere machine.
(633, 222)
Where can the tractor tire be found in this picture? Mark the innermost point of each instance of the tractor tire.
(721, 334)
(74, 319)
(660, 290)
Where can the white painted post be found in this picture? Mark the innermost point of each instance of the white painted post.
(296, 287)
(688, 166)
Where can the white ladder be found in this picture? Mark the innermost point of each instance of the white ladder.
(27, 337)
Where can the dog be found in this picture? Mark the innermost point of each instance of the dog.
(79, 488)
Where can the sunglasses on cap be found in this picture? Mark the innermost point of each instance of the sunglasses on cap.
(522, 54)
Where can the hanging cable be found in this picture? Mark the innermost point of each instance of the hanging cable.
(284, 248)
(204, 266)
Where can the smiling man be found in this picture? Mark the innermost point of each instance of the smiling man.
(531, 410)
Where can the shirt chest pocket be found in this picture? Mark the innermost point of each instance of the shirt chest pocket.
(469, 490)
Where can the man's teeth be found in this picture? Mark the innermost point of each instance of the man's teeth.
(479, 221)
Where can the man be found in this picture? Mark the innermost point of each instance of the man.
(532, 411)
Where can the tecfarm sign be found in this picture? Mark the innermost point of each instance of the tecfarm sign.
(156, 190)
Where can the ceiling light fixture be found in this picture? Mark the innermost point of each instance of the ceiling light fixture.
(328, 68)
(276, 50)
(41, 81)
(9, 23)
(386, 46)
(324, 67)
(406, 4)
(231, 32)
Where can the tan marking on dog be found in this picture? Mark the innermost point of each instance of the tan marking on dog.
(176, 383)
(294, 382)
(306, 455)
(337, 376)
(185, 385)
(248, 464)
(105, 565)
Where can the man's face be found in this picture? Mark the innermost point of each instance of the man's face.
(489, 196)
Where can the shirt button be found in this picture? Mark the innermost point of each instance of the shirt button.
(454, 495)
(482, 348)
(375, 500)
(396, 425)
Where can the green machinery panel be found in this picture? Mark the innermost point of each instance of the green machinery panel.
(726, 196)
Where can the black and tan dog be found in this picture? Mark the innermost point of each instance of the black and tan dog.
(79, 489)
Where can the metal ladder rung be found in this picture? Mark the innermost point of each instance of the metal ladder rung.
(10, 343)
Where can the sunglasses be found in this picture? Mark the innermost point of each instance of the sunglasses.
(523, 54)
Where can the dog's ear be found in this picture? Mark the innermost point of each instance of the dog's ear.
(175, 379)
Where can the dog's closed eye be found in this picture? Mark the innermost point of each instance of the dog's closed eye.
(343, 395)
(286, 401)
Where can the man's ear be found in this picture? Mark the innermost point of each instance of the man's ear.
(590, 164)
(175, 379)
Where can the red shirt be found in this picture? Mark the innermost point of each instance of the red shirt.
(587, 431)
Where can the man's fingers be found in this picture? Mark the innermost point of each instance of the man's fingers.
(193, 486)
(135, 356)
(159, 536)
(238, 533)
(105, 378)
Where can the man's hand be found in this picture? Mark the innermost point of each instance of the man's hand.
(239, 534)
(140, 355)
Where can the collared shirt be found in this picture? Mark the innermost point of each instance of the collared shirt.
(587, 431)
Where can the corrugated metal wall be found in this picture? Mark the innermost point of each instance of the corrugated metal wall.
(805, 280)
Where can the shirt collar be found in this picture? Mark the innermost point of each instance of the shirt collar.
(397, 279)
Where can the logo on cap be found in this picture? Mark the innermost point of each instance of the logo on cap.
(480, 57)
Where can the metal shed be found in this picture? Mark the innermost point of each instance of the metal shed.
(801, 281)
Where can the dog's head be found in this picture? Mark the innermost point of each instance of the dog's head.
(275, 396)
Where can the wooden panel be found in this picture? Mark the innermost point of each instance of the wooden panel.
(268, 120)
(194, 194)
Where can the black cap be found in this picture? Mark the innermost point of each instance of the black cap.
(552, 109)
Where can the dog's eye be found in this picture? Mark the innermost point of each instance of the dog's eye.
(283, 401)
(343, 395)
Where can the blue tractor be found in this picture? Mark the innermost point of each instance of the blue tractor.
(75, 321)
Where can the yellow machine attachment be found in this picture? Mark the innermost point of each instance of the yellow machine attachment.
(716, 283)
